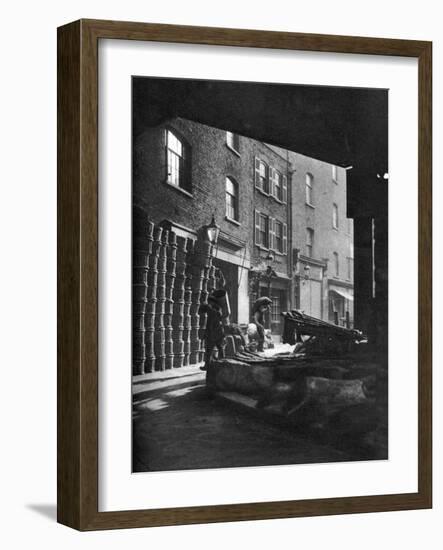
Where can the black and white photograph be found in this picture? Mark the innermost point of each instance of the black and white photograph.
(217, 274)
(260, 274)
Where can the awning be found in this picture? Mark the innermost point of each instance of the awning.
(343, 293)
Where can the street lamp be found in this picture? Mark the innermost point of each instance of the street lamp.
(269, 272)
(213, 231)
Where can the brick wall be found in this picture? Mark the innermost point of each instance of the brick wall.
(278, 159)
(212, 162)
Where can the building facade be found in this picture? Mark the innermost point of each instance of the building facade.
(185, 172)
(270, 273)
(323, 241)
(282, 216)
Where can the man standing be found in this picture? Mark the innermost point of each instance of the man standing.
(261, 306)
(214, 334)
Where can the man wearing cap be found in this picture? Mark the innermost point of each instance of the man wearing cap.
(214, 334)
(260, 307)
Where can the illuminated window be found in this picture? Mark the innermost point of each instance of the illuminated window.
(233, 141)
(177, 161)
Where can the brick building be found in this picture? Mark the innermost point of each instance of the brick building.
(323, 237)
(282, 218)
(271, 271)
(185, 172)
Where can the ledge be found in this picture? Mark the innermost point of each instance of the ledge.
(311, 261)
(180, 189)
(340, 282)
(237, 153)
(263, 192)
(235, 222)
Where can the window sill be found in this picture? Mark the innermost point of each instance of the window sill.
(278, 200)
(271, 196)
(310, 205)
(260, 190)
(233, 150)
(235, 222)
(267, 249)
(180, 189)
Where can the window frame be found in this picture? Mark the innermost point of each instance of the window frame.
(258, 178)
(336, 264)
(264, 231)
(349, 261)
(277, 176)
(335, 217)
(278, 223)
(184, 174)
(334, 174)
(235, 145)
(309, 184)
(309, 242)
(236, 217)
(276, 307)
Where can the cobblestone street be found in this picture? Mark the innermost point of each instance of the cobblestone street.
(177, 426)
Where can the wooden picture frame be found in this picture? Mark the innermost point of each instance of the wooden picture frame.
(78, 274)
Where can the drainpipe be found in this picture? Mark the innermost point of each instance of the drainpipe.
(292, 284)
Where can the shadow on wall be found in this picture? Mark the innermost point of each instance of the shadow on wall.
(48, 511)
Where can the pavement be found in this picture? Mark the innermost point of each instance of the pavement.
(178, 425)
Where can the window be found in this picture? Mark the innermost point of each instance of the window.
(309, 242)
(271, 233)
(278, 185)
(177, 162)
(349, 266)
(276, 308)
(233, 141)
(334, 174)
(261, 176)
(335, 216)
(231, 199)
(263, 230)
(309, 188)
(336, 266)
(278, 236)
